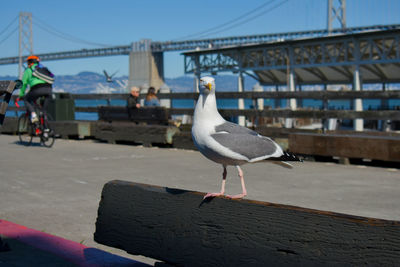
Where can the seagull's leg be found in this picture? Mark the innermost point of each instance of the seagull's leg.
(244, 191)
(222, 186)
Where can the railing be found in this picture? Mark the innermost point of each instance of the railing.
(277, 113)
(283, 113)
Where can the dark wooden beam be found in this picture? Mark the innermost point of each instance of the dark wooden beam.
(130, 132)
(178, 227)
(149, 115)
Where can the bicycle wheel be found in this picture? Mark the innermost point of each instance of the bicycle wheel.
(25, 130)
(48, 136)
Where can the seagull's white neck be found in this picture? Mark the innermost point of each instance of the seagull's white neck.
(206, 109)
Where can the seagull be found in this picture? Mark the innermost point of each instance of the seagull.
(230, 144)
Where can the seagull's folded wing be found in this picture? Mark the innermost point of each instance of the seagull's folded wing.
(251, 146)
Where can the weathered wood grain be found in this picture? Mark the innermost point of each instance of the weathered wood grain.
(178, 227)
(9, 126)
(73, 129)
(131, 132)
(183, 140)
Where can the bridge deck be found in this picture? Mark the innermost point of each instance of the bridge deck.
(58, 190)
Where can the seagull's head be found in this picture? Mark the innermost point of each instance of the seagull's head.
(207, 85)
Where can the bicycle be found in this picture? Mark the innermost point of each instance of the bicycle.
(27, 129)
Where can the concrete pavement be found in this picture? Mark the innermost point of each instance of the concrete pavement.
(58, 190)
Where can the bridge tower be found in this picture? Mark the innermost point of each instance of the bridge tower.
(25, 45)
(336, 11)
(146, 68)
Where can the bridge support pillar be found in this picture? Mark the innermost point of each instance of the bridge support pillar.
(146, 68)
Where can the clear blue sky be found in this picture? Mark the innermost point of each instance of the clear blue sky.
(120, 22)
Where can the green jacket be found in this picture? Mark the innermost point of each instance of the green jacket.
(29, 79)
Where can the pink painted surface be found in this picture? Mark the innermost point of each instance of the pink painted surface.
(74, 252)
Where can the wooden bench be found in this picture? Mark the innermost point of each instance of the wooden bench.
(150, 125)
(358, 146)
(73, 129)
(178, 227)
(148, 115)
(123, 131)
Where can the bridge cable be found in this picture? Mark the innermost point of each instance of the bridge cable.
(247, 20)
(228, 22)
(6, 29)
(203, 33)
(44, 26)
(9, 35)
(8, 26)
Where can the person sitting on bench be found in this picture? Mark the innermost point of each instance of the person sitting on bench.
(151, 98)
(133, 100)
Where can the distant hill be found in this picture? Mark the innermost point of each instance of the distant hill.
(91, 82)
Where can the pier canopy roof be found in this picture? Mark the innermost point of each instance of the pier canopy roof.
(323, 60)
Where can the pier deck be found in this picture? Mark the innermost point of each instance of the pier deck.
(58, 190)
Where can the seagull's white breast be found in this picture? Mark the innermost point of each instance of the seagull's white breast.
(206, 118)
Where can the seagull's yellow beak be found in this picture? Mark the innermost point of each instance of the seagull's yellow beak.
(208, 86)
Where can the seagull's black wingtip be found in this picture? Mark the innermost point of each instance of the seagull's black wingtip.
(287, 156)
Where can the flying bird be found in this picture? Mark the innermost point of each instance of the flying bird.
(227, 143)
(109, 77)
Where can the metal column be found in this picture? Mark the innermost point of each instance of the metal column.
(358, 123)
(289, 122)
(241, 119)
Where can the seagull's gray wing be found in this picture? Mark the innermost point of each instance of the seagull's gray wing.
(244, 141)
(250, 146)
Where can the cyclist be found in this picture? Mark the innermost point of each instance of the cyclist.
(38, 87)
